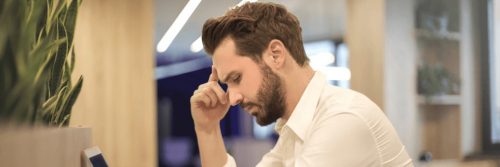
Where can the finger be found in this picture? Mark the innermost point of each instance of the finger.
(205, 99)
(201, 87)
(220, 93)
(211, 94)
(213, 75)
(217, 91)
(200, 98)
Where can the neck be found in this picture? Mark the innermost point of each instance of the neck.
(295, 81)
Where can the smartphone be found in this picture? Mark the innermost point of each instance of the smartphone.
(94, 155)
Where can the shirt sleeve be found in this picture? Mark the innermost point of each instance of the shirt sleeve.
(270, 159)
(230, 161)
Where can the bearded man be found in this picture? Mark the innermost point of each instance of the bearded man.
(257, 50)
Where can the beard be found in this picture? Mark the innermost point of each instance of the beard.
(270, 98)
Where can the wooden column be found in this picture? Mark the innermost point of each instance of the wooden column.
(365, 39)
(114, 53)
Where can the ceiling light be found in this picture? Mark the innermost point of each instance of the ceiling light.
(197, 45)
(245, 1)
(176, 27)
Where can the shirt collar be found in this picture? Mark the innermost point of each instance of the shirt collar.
(306, 107)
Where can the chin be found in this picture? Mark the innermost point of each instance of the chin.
(263, 121)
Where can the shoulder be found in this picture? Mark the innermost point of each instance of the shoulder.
(335, 100)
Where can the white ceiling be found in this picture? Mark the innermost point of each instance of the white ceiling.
(320, 19)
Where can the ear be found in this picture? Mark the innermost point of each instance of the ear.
(275, 54)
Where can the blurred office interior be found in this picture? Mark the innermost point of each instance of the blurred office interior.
(433, 66)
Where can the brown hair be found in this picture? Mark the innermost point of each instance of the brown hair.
(252, 26)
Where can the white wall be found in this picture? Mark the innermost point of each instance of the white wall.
(468, 55)
(400, 72)
(496, 29)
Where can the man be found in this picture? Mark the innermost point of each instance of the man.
(257, 51)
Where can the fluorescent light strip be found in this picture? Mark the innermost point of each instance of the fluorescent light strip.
(197, 45)
(245, 1)
(176, 27)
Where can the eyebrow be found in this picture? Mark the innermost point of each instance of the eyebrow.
(224, 80)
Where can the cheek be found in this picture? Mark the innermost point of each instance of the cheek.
(250, 86)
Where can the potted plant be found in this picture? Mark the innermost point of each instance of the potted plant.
(36, 61)
(435, 80)
(37, 58)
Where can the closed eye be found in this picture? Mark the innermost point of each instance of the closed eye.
(236, 79)
(232, 78)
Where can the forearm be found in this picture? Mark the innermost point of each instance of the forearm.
(211, 146)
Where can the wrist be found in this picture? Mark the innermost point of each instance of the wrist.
(206, 129)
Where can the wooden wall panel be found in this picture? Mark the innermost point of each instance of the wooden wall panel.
(114, 47)
(441, 132)
(365, 39)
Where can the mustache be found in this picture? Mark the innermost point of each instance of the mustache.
(248, 104)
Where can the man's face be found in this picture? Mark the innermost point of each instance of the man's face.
(253, 85)
(270, 102)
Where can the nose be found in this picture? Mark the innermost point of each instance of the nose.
(235, 97)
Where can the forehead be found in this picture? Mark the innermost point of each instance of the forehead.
(225, 59)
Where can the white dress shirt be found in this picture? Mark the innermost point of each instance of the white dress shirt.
(332, 126)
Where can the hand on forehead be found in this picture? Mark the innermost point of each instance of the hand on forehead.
(213, 76)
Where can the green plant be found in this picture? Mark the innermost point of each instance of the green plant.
(36, 61)
(435, 80)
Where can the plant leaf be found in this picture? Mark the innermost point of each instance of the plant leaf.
(59, 105)
(72, 96)
(70, 20)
